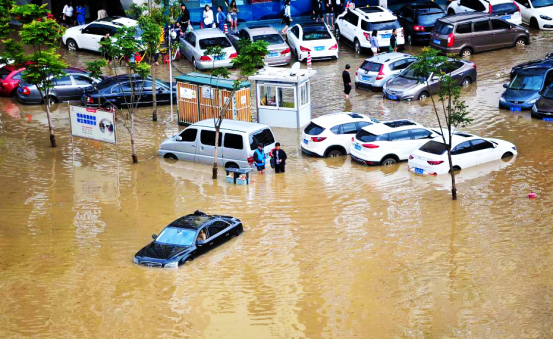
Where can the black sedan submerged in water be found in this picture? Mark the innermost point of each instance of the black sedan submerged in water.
(186, 238)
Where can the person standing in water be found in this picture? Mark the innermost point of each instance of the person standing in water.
(279, 157)
(259, 158)
(347, 82)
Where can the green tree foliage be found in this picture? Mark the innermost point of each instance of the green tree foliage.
(151, 33)
(450, 111)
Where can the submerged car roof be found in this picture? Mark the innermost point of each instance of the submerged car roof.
(391, 126)
(375, 13)
(387, 57)
(341, 117)
(239, 126)
(452, 19)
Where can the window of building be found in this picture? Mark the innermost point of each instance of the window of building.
(268, 96)
(286, 97)
(305, 94)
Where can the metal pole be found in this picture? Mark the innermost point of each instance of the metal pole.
(170, 76)
(71, 132)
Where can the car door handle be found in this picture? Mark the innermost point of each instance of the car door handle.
(212, 243)
(193, 145)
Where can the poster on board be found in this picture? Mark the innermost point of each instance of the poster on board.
(92, 123)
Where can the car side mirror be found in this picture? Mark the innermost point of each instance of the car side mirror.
(505, 85)
(154, 236)
(526, 5)
(179, 138)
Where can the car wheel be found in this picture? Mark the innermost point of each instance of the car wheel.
(521, 42)
(506, 155)
(334, 153)
(357, 47)
(194, 63)
(456, 169)
(466, 82)
(534, 23)
(71, 45)
(466, 53)
(337, 33)
(388, 161)
(170, 156)
(51, 100)
(422, 96)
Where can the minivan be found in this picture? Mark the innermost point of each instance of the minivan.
(465, 34)
(236, 145)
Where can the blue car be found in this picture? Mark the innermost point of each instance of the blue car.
(523, 90)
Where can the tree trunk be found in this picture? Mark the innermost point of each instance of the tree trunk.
(154, 94)
(214, 169)
(453, 176)
(50, 125)
(132, 134)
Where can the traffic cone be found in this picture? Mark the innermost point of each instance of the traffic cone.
(225, 29)
(309, 60)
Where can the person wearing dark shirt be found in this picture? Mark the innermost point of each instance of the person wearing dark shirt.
(347, 82)
(279, 157)
(393, 46)
(317, 8)
(184, 19)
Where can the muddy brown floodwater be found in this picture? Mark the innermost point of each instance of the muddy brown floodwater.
(331, 249)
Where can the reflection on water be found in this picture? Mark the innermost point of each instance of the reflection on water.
(331, 249)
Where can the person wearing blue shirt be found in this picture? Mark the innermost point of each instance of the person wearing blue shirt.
(259, 158)
(81, 11)
(220, 19)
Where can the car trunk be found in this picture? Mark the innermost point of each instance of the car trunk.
(440, 33)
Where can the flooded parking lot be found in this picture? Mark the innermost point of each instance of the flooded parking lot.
(331, 249)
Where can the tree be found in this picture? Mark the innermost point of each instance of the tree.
(41, 33)
(150, 38)
(450, 111)
(250, 59)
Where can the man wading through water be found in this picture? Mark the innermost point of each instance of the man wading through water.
(259, 158)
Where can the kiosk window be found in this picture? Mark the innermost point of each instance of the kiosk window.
(286, 97)
(268, 96)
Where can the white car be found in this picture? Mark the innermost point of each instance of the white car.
(356, 27)
(467, 150)
(88, 36)
(536, 13)
(331, 135)
(312, 38)
(195, 43)
(507, 9)
(389, 142)
(376, 71)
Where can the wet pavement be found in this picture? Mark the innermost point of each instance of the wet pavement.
(331, 249)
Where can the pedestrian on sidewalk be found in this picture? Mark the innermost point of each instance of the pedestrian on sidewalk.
(393, 44)
(328, 12)
(317, 10)
(347, 82)
(220, 19)
(81, 12)
(278, 157)
(286, 17)
(184, 19)
(234, 13)
(259, 158)
(339, 8)
(68, 14)
(374, 42)
(208, 17)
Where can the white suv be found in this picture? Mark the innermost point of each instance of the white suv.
(88, 36)
(330, 135)
(357, 25)
(389, 142)
(507, 9)
(536, 13)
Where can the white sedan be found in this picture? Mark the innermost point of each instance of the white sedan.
(312, 38)
(88, 36)
(467, 151)
(537, 13)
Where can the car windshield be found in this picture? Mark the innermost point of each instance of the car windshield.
(504, 8)
(272, 39)
(430, 18)
(528, 80)
(380, 26)
(177, 236)
(371, 66)
(313, 129)
(443, 28)
(365, 136)
(212, 42)
(261, 137)
(409, 73)
(434, 147)
(541, 3)
(4, 73)
(320, 34)
(548, 92)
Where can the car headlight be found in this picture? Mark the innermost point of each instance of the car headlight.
(135, 260)
(534, 108)
(532, 101)
(544, 17)
(514, 148)
(172, 265)
(502, 98)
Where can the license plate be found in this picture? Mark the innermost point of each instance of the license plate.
(273, 55)
(219, 57)
(506, 17)
(357, 147)
(305, 141)
(418, 170)
(436, 41)
(547, 119)
(392, 97)
(515, 109)
(366, 78)
(386, 36)
(319, 48)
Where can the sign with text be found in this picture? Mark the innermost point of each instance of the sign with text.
(92, 123)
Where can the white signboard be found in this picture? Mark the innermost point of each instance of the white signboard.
(243, 100)
(92, 123)
(186, 93)
(207, 92)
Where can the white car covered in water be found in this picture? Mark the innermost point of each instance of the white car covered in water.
(312, 38)
(467, 150)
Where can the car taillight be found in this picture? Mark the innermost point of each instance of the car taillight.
(370, 146)
(304, 49)
(89, 100)
(205, 58)
(250, 160)
(233, 55)
(352, 138)
(25, 91)
(475, 66)
(356, 73)
(334, 47)
(411, 157)
(430, 162)
(367, 36)
(381, 74)
(490, 8)
(419, 28)
(450, 40)
(318, 139)
(517, 7)
(285, 51)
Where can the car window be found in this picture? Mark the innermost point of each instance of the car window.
(451, 66)
(464, 147)
(208, 138)
(336, 129)
(481, 26)
(463, 28)
(480, 144)
(81, 80)
(548, 92)
(500, 24)
(522, 2)
(400, 135)
(349, 128)
(434, 147)
(321, 33)
(216, 227)
(295, 31)
(443, 28)
(272, 39)
(189, 135)
(366, 136)
(213, 42)
(264, 136)
(177, 236)
(94, 29)
(380, 26)
(353, 19)
(314, 129)
(541, 3)
(17, 76)
(401, 64)
(528, 80)
(233, 141)
(370, 66)
(63, 81)
(476, 5)
(420, 133)
(363, 124)
(117, 88)
(505, 8)
(192, 40)
(430, 18)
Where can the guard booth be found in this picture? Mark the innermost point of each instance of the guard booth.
(200, 98)
(283, 96)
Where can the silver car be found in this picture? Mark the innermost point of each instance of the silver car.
(194, 44)
(279, 51)
(374, 72)
(407, 86)
(69, 87)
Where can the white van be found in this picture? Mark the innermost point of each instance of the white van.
(237, 142)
